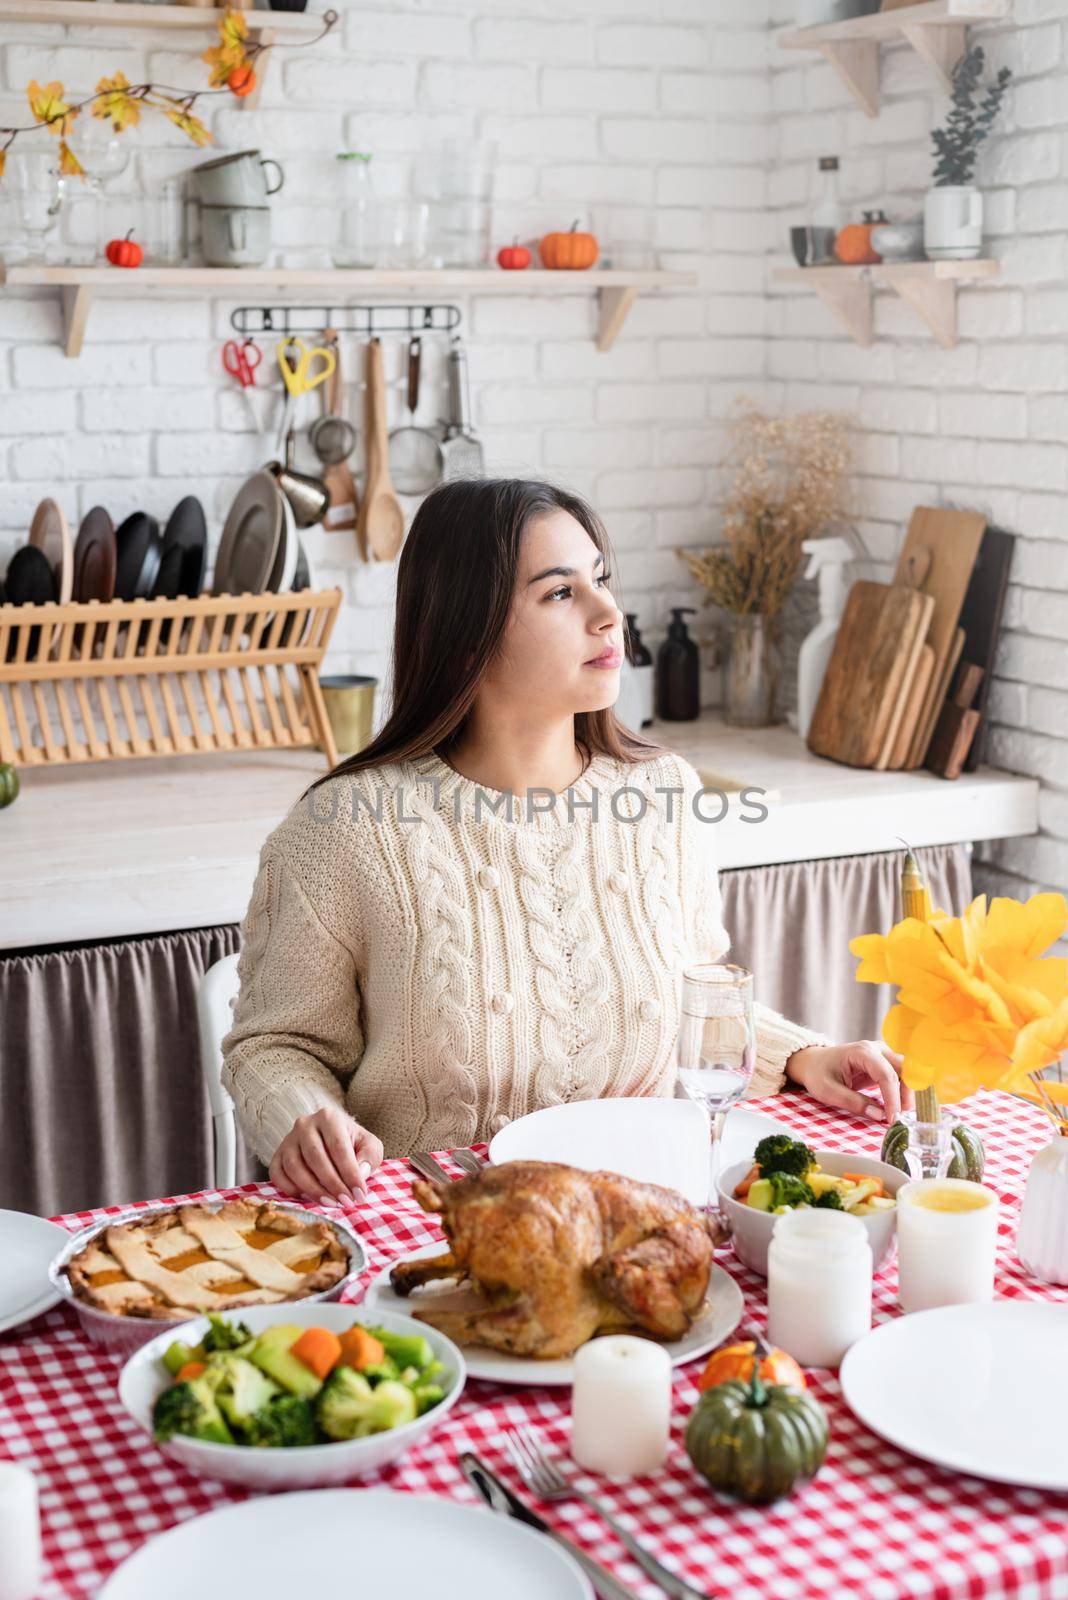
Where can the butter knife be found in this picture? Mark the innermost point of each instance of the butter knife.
(500, 1498)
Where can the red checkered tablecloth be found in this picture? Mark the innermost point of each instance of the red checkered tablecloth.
(875, 1523)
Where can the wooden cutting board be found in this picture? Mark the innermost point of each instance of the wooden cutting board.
(980, 618)
(873, 653)
(953, 538)
(908, 700)
(917, 693)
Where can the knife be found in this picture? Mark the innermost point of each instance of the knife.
(500, 1498)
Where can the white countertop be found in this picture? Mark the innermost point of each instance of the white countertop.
(115, 849)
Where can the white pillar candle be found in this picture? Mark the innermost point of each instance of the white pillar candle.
(621, 1406)
(819, 1285)
(947, 1235)
(20, 1533)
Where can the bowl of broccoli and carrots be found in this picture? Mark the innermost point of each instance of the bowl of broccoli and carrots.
(291, 1397)
(783, 1174)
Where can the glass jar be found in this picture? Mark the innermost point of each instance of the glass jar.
(752, 672)
(819, 1285)
(356, 242)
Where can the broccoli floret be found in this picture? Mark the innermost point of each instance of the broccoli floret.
(780, 1153)
(189, 1408)
(287, 1421)
(789, 1191)
(406, 1349)
(348, 1408)
(241, 1388)
(176, 1355)
(382, 1371)
(224, 1335)
(830, 1200)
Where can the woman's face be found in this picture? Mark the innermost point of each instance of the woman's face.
(563, 643)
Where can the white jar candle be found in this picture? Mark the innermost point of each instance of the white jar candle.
(621, 1406)
(947, 1234)
(819, 1285)
(20, 1533)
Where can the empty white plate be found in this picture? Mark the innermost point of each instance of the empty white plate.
(650, 1140)
(721, 1315)
(973, 1388)
(401, 1545)
(27, 1246)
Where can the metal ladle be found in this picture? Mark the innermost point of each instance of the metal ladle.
(332, 436)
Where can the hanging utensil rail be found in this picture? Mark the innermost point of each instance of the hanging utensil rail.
(369, 320)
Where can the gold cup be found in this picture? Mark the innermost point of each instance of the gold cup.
(350, 706)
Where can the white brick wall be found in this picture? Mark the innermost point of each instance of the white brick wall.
(986, 424)
(682, 104)
(633, 101)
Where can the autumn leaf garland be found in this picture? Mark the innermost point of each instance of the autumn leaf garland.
(119, 102)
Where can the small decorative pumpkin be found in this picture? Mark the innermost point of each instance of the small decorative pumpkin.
(853, 244)
(755, 1440)
(737, 1360)
(242, 80)
(568, 252)
(969, 1155)
(515, 257)
(9, 784)
(125, 252)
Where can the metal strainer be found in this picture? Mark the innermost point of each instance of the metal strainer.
(416, 459)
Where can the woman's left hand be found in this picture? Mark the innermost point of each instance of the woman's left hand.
(835, 1073)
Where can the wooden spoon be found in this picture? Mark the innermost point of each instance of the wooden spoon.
(380, 523)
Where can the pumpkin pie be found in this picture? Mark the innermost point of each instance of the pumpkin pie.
(195, 1259)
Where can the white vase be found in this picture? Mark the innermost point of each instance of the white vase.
(1042, 1237)
(953, 223)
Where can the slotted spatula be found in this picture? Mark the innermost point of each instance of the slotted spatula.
(380, 523)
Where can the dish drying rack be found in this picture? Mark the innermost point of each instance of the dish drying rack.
(111, 680)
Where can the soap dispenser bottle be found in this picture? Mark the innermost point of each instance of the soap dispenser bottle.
(678, 672)
(641, 663)
(827, 563)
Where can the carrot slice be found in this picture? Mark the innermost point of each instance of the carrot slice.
(867, 1177)
(361, 1349)
(319, 1349)
(743, 1188)
(191, 1369)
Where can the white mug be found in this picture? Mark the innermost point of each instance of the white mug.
(237, 180)
(235, 236)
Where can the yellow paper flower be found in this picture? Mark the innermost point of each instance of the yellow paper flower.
(978, 1004)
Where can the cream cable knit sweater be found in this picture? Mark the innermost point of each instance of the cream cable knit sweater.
(440, 968)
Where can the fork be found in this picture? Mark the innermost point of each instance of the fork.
(468, 1162)
(543, 1477)
(426, 1166)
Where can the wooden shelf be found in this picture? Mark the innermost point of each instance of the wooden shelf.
(114, 14)
(616, 290)
(929, 287)
(935, 30)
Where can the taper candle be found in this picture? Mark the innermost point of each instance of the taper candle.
(20, 1533)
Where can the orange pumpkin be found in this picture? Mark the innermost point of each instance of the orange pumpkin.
(242, 80)
(853, 244)
(736, 1361)
(568, 252)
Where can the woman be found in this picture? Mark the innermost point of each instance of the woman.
(487, 909)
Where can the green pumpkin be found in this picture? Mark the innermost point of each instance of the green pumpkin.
(9, 784)
(756, 1440)
(969, 1156)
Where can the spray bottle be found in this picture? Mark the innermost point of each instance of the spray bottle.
(827, 562)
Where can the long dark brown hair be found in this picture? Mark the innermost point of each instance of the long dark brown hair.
(455, 582)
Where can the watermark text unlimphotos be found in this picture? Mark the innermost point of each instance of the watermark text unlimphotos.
(412, 805)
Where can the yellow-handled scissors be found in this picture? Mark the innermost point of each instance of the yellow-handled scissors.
(304, 367)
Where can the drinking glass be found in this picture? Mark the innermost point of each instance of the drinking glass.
(716, 1048)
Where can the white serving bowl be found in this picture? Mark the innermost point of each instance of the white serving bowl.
(752, 1228)
(313, 1466)
(121, 1336)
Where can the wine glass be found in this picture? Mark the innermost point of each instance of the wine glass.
(716, 1048)
(37, 198)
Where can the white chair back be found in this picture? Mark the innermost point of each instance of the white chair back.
(215, 1002)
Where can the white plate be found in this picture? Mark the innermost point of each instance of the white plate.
(972, 1388)
(348, 1541)
(27, 1245)
(721, 1315)
(650, 1140)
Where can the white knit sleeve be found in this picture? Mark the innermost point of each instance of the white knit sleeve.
(297, 1034)
(776, 1037)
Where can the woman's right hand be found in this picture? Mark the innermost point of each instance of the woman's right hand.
(326, 1156)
